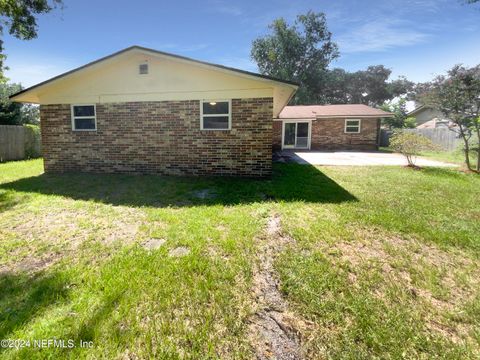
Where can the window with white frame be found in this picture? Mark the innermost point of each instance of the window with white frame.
(84, 118)
(352, 126)
(215, 114)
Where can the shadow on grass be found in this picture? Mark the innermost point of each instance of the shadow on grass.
(23, 296)
(289, 182)
(7, 200)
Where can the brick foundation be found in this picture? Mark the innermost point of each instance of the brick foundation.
(160, 137)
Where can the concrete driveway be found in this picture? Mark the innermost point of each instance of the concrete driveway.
(351, 158)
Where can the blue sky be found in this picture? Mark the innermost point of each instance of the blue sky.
(415, 38)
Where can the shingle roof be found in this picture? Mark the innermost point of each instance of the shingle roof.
(328, 111)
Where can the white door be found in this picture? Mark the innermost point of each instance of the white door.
(296, 135)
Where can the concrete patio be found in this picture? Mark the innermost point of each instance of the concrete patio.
(351, 158)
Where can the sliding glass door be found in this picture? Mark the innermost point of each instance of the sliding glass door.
(296, 135)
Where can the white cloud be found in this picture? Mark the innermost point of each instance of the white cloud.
(380, 35)
(223, 7)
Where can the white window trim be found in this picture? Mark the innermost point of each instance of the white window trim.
(214, 115)
(83, 117)
(353, 132)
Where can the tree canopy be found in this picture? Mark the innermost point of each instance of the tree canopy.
(19, 16)
(400, 119)
(457, 96)
(302, 52)
(369, 87)
(12, 113)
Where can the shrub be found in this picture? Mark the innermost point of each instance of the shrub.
(32, 141)
(410, 144)
(410, 122)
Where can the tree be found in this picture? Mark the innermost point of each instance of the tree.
(300, 52)
(303, 51)
(12, 113)
(370, 87)
(399, 110)
(19, 17)
(457, 96)
(410, 145)
(410, 122)
(30, 114)
(9, 111)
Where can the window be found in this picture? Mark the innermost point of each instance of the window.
(143, 69)
(352, 126)
(84, 118)
(215, 115)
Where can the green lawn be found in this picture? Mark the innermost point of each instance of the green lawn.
(384, 261)
(454, 157)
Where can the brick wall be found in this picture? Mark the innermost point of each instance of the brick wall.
(277, 135)
(160, 137)
(329, 134)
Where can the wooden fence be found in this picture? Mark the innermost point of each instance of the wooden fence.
(19, 142)
(443, 137)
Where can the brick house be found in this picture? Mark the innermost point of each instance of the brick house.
(145, 111)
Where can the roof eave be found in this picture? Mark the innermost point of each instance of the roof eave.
(377, 116)
(416, 110)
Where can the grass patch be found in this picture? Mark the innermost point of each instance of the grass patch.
(455, 157)
(381, 266)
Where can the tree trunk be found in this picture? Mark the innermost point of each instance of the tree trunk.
(466, 149)
(477, 128)
(478, 160)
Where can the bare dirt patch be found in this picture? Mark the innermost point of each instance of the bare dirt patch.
(46, 235)
(153, 244)
(179, 252)
(78, 225)
(408, 262)
(31, 264)
(274, 331)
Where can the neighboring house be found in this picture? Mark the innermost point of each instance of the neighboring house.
(145, 111)
(428, 117)
(328, 127)
(435, 124)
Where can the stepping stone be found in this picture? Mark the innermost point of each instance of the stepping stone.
(179, 251)
(153, 244)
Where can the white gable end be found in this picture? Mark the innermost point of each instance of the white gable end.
(118, 79)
